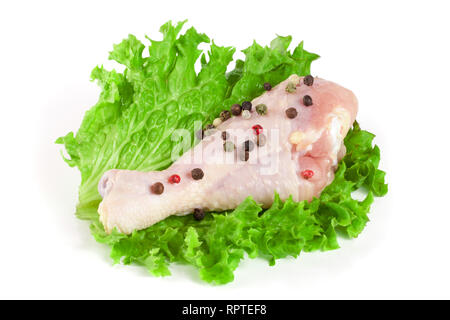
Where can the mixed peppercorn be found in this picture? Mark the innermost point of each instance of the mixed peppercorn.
(247, 105)
(243, 110)
(307, 100)
(197, 174)
(261, 109)
(308, 80)
(236, 109)
(246, 114)
(199, 214)
(307, 174)
(174, 179)
(291, 113)
(157, 188)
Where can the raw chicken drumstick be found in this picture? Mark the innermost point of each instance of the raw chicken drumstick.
(293, 148)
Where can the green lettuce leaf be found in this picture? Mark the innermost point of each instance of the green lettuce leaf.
(131, 126)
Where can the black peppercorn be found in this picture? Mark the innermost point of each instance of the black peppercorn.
(197, 174)
(307, 101)
(291, 113)
(308, 80)
(247, 105)
(248, 145)
(225, 115)
(157, 188)
(267, 86)
(225, 135)
(236, 109)
(199, 214)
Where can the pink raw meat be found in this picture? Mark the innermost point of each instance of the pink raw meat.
(313, 140)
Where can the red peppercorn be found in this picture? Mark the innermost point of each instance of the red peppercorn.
(307, 174)
(174, 179)
(257, 129)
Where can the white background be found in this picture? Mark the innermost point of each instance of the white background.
(393, 54)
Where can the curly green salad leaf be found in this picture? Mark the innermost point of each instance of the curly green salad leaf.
(131, 126)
